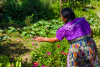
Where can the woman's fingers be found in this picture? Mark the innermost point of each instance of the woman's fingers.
(40, 39)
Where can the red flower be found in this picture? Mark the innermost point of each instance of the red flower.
(62, 51)
(33, 44)
(11, 65)
(48, 53)
(36, 63)
(46, 28)
(65, 53)
(33, 38)
(44, 55)
(34, 66)
(48, 21)
(43, 65)
(38, 60)
(58, 46)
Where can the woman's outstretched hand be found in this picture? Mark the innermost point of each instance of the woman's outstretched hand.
(40, 39)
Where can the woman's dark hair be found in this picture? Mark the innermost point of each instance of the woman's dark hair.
(67, 12)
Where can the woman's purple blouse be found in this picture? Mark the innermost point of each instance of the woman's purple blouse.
(76, 28)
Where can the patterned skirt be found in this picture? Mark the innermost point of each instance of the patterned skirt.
(83, 53)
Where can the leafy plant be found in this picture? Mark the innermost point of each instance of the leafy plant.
(5, 62)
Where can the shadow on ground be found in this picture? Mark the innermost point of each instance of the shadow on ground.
(13, 49)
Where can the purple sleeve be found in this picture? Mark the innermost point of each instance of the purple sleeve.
(60, 34)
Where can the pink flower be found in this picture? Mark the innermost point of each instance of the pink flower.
(48, 21)
(11, 65)
(48, 66)
(38, 60)
(58, 53)
(34, 38)
(44, 55)
(33, 44)
(34, 66)
(43, 65)
(36, 63)
(46, 28)
(48, 53)
(65, 53)
(62, 51)
(58, 46)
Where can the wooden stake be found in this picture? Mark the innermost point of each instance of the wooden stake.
(60, 6)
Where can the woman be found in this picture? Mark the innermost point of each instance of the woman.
(83, 50)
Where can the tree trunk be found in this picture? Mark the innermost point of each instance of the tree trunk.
(60, 6)
(65, 1)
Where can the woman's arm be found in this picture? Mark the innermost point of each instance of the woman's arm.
(91, 33)
(42, 39)
(51, 39)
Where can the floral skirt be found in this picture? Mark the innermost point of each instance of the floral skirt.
(83, 53)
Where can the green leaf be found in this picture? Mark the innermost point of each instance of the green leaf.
(17, 64)
(40, 22)
(10, 31)
(28, 35)
(23, 33)
(53, 32)
(1, 30)
(19, 30)
(25, 28)
(36, 29)
(32, 32)
(11, 28)
(34, 25)
(8, 64)
(3, 38)
(1, 64)
(47, 25)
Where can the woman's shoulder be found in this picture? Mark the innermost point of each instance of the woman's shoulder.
(76, 22)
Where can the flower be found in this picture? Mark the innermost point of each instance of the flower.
(44, 55)
(34, 66)
(11, 65)
(58, 53)
(48, 21)
(65, 53)
(62, 51)
(36, 63)
(38, 60)
(58, 46)
(34, 38)
(46, 28)
(33, 44)
(30, 35)
(43, 65)
(48, 66)
(48, 53)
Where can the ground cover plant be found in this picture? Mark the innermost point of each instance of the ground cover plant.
(18, 29)
(48, 54)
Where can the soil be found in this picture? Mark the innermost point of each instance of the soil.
(16, 47)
